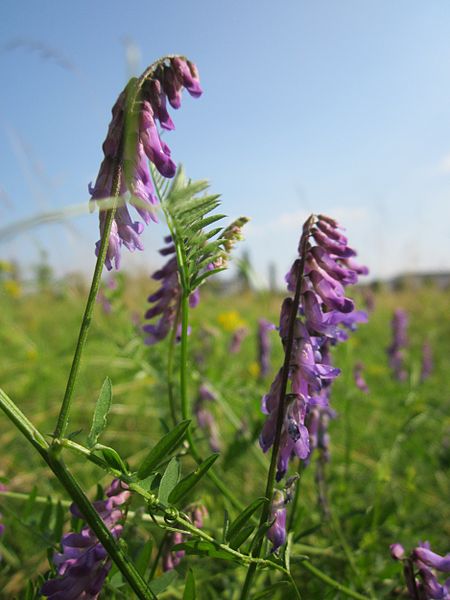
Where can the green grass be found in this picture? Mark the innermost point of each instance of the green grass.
(390, 450)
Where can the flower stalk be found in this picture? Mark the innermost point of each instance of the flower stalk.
(281, 408)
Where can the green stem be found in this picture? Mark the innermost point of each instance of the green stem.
(63, 417)
(281, 406)
(331, 582)
(186, 408)
(170, 383)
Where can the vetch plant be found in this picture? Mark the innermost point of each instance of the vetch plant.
(255, 534)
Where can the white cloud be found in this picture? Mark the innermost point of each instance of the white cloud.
(444, 165)
(292, 221)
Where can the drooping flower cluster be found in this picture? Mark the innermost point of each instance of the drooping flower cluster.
(399, 342)
(359, 378)
(323, 269)
(133, 140)
(166, 300)
(427, 360)
(420, 568)
(172, 558)
(205, 418)
(264, 328)
(84, 564)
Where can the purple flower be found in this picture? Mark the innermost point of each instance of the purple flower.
(205, 418)
(277, 532)
(427, 360)
(324, 310)
(84, 564)
(264, 327)
(399, 341)
(133, 140)
(397, 551)
(419, 571)
(359, 379)
(424, 553)
(236, 341)
(166, 300)
(172, 558)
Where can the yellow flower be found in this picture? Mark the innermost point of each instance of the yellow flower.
(230, 320)
(5, 266)
(32, 353)
(254, 369)
(12, 288)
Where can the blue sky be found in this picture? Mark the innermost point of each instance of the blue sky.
(340, 107)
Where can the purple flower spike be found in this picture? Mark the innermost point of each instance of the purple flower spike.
(427, 360)
(133, 140)
(277, 532)
(399, 342)
(205, 418)
(236, 341)
(323, 312)
(359, 379)
(84, 564)
(166, 300)
(264, 328)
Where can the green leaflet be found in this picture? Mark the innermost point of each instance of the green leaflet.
(204, 548)
(102, 408)
(160, 584)
(189, 587)
(243, 519)
(112, 457)
(144, 557)
(169, 480)
(189, 211)
(186, 484)
(163, 448)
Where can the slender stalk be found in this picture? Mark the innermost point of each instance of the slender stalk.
(337, 529)
(281, 407)
(63, 417)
